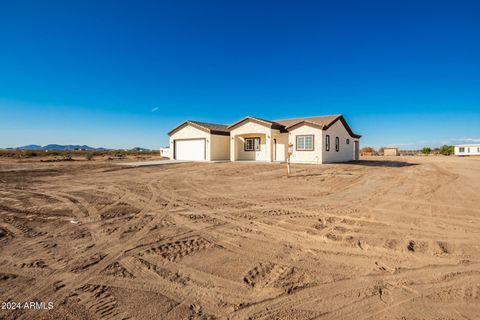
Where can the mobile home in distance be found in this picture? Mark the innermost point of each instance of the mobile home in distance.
(467, 150)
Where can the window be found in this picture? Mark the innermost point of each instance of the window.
(337, 144)
(304, 143)
(252, 144)
(327, 142)
(461, 149)
(348, 141)
(478, 149)
(468, 150)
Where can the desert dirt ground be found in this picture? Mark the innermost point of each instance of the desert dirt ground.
(391, 238)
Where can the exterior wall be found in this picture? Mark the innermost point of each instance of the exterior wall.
(190, 132)
(469, 150)
(251, 129)
(314, 156)
(219, 147)
(346, 152)
(390, 152)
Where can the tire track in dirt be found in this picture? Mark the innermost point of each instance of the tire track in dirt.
(313, 232)
(379, 194)
(44, 286)
(313, 295)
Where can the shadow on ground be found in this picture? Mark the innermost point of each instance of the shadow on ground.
(382, 163)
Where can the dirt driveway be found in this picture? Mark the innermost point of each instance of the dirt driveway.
(372, 240)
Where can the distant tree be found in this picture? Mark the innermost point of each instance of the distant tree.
(426, 150)
(380, 151)
(66, 155)
(30, 153)
(446, 150)
(367, 149)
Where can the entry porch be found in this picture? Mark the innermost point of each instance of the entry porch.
(255, 146)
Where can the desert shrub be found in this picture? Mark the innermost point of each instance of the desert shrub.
(446, 150)
(53, 153)
(66, 155)
(89, 156)
(426, 150)
(30, 153)
(8, 153)
(120, 154)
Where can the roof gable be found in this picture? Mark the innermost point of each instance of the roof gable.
(321, 122)
(212, 128)
(263, 122)
(345, 124)
(304, 123)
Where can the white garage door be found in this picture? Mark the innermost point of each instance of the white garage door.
(193, 149)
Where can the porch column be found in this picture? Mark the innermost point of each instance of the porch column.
(233, 148)
(268, 143)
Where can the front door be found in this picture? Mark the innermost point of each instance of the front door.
(357, 151)
(279, 151)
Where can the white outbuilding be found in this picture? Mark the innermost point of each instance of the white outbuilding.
(467, 150)
(165, 152)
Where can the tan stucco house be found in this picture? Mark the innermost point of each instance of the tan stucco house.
(390, 151)
(320, 139)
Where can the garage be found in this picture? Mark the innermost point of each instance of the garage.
(200, 141)
(190, 149)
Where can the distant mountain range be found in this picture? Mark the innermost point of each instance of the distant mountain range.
(71, 147)
(58, 147)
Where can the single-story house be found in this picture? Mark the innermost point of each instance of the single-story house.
(321, 139)
(467, 150)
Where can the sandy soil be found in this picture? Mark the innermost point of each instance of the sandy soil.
(377, 239)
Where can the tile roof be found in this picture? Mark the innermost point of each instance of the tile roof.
(212, 126)
(320, 120)
(283, 125)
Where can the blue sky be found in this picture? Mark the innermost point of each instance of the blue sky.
(121, 74)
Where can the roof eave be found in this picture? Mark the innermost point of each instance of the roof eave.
(345, 124)
(188, 122)
(220, 133)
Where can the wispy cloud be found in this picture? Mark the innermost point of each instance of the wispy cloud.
(467, 140)
(155, 109)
